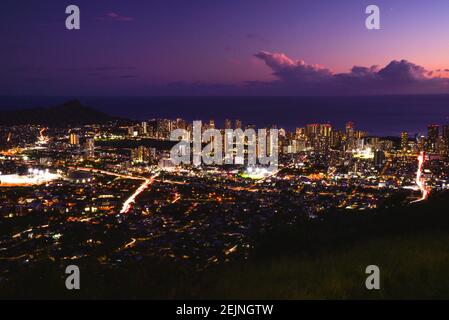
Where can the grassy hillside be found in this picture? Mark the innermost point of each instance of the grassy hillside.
(327, 259)
(323, 259)
(411, 267)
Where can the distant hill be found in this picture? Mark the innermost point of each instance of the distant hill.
(70, 113)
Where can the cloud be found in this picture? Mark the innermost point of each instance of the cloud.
(297, 78)
(398, 77)
(114, 16)
(288, 70)
(404, 71)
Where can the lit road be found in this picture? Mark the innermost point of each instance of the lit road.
(127, 206)
(420, 180)
(109, 173)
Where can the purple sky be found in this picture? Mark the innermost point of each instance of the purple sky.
(232, 47)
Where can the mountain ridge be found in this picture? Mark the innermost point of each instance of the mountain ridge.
(70, 113)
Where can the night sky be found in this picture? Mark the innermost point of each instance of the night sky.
(232, 47)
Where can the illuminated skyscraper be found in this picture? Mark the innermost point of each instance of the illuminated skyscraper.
(180, 124)
(421, 141)
(446, 139)
(90, 148)
(163, 128)
(404, 141)
(140, 155)
(144, 128)
(336, 138)
(312, 130)
(379, 158)
(228, 124)
(433, 132)
(319, 136)
(238, 124)
(300, 133)
(74, 139)
(349, 129)
(325, 130)
(349, 136)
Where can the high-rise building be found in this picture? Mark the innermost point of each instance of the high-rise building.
(74, 139)
(90, 148)
(404, 141)
(300, 133)
(360, 134)
(144, 128)
(282, 132)
(433, 132)
(335, 139)
(179, 124)
(325, 130)
(164, 127)
(238, 124)
(141, 154)
(349, 129)
(421, 142)
(379, 158)
(319, 136)
(349, 136)
(445, 136)
(227, 124)
(312, 130)
(445, 132)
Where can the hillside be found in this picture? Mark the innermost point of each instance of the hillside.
(70, 113)
(323, 259)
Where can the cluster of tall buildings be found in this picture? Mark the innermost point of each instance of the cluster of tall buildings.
(88, 145)
(161, 128)
(157, 128)
(323, 137)
(436, 141)
(316, 137)
(143, 154)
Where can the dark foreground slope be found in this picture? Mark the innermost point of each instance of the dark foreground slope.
(312, 260)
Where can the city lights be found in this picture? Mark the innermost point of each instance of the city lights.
(34, 177)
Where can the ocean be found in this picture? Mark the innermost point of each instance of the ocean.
(379, 115)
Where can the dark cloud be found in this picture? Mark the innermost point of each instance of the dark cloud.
(257, 38)
(288, 70)
(114, 16)
(70, 69)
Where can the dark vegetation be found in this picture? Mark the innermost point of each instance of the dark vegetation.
(318, 259)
